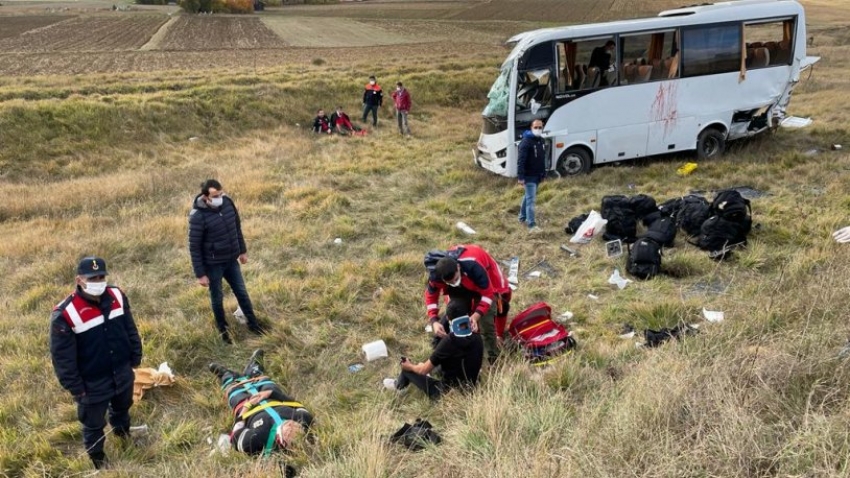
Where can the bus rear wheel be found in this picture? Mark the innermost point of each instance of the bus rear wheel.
(711, 143)
(573, 161)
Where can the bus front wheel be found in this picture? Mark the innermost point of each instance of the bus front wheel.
(574, 161)
(711, 143)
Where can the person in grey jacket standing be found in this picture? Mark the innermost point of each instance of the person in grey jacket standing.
(217, 248)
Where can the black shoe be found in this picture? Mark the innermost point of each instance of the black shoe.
(255, 364)
(225, 337)
(99, 460)
(217, 369)
(257, 329)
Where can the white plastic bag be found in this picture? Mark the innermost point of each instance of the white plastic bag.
(590, 228)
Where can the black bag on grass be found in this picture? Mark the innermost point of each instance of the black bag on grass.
(693, 211)
(730, 205)
(644, 259)
(417, 436)
(670, 207)
(654, 338)
(621, 219)
(643, 205)
(718, 233)
(574, 224)
(663, 231)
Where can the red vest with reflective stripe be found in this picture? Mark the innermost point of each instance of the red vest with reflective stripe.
(82, 316)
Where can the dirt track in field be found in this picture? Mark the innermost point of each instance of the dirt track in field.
(219, 32)
(118, 32)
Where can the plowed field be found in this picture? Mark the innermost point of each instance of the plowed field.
(219, 32)
(13, 26)
(108, 32)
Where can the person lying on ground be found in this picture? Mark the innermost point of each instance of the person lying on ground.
(321, 123)
(459, 355)
(266, 419)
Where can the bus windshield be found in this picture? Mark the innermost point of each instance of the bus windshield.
(499, 95)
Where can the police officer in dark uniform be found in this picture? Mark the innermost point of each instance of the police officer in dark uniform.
(266, 419)
(94, 345)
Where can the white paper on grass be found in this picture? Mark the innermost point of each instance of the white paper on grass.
(712, 315)
(618, 280)
(590, 228)
(795, 122)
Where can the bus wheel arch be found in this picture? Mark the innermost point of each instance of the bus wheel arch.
(574, 160)
(711, 141)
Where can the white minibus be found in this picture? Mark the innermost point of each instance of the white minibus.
(693, 78)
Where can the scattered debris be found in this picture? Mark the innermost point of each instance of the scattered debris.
(571, 252)
(836, 147)
(139, 431)
(655, 338)
(542, 267)
(338, 241)
(193, 138)
(712, 315)
(534, 275)
(375, 350)
(429, 329)
(795, 122)
(567, 315)
(686, 169)
(240, 316)
(812, 152)
(614, 248)
(354, 368)
(618, 280)
(590, 228)
(465, 227)
(627, 332)
(513, 272)
(591, 296)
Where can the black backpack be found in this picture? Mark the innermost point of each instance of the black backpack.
(643, 205)
(575, 223)
(663, 231)
(729, 204)
(415, 437)
(621, 219)
(718, 233)
(433, 256)
(644, 258)
(670, 207)
(693, 211)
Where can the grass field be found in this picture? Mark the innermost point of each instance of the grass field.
(96, 158)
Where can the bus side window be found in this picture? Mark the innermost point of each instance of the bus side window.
(708, 50)
(649, 57)
(769, 44)
(586, 64)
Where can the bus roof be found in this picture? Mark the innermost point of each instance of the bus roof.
(696, 15)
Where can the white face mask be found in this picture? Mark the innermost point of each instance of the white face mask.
(216, 202)
(537, 132)
(371, 82)
(455, 283)
(95, 288)
(398, 88)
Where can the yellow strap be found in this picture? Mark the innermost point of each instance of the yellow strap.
(271, 403)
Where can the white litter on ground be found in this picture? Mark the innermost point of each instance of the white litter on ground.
(712, 315)
(795, 122)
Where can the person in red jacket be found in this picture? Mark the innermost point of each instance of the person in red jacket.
(401, 99)
(470, 272)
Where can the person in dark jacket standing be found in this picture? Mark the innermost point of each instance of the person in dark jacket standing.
(94, 346)
(217, 248)
(531, 169)
(373, 98)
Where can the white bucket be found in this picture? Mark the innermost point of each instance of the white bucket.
(375, 350)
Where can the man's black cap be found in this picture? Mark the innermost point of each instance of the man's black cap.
(91, 267)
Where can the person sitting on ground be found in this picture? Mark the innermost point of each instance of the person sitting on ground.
(322, 124)
(459, 354)
(266, 419)
(342, 123)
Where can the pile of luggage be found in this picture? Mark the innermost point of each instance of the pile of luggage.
(717, 227)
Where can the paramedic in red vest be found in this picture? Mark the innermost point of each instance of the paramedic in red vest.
(94, 345)
(474, 273)
(373, 98)
(266, 419)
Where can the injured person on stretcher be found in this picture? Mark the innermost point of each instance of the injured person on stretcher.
(265, 419)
